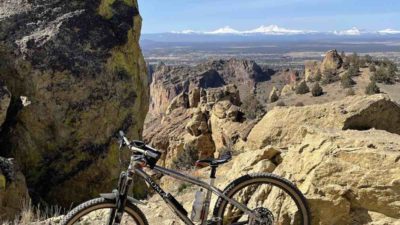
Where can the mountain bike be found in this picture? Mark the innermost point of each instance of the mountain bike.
(253, 199)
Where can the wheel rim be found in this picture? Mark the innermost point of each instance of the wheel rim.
(99, 215)
(264, 197)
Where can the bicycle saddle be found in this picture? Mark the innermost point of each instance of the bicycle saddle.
(215, 162)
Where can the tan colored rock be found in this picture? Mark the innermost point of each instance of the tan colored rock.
(198, 124)
(311, 69)
(194, 97)
(282, 125)
(274, 95)
(347, 175)
(332, 61)
(181, 100)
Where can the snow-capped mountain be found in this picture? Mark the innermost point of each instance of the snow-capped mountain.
(275, 30)
(272, 33)
(352, 31)
(389, 31)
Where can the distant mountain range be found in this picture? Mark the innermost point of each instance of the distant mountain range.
(272, 33)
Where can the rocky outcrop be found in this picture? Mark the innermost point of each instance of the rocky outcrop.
(216, 123)
(332, 61)
(13, 190)
(80, 66)
(348, 177)
(170, 81)
(281, 125)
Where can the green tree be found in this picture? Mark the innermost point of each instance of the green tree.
(372, 88)
(329, 77)
(317, 90)
(346, 80)
(372, 68)
(302, 88)
(350, 92)
(318, 76)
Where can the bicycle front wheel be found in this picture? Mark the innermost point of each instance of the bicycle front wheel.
(274, 199)
(97, 212)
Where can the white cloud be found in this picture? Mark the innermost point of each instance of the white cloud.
(389, 31)
(351, 32)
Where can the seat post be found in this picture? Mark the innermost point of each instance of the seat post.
(213, 171)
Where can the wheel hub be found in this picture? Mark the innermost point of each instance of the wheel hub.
(264, 217)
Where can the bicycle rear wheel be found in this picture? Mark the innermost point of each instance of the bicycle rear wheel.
(97, 211)
(273, 198)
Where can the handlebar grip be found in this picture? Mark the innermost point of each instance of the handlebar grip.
(152, 154)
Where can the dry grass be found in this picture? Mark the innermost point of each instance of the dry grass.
(31, 215)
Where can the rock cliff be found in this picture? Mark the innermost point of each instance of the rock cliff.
(80, 67)
(170, 81)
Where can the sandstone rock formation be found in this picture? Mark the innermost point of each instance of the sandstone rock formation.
(214, 123)
(80, 65)
(349, 177)
(281, 125)
(331, 62)
(170, 81)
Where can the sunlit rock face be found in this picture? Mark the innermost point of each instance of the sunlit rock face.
(80, 67)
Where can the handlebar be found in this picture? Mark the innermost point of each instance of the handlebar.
(147, 150)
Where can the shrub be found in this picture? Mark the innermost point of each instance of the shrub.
(329, 77)
(383, 75)
(346, 80)
(372, 68)
(280, 103)
(368, 59)
(372, 88)
(350, 92)
(353, 70)
(251, 107)
(318, 76)
(299, 104)
(317, 90)
(302, 88)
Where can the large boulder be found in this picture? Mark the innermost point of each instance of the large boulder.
(281, 126)
(80, 66)
(332, 61)
(348, 177)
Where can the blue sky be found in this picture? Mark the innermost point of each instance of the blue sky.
(318, 15)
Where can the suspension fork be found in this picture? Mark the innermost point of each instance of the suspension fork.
(124, 183)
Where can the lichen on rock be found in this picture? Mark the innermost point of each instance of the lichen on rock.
(81, 66)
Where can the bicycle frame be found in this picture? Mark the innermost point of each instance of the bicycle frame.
(136, 168)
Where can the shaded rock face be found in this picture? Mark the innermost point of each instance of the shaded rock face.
(5, 98)
(13, 190)
(170, 81)
(80, 66)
